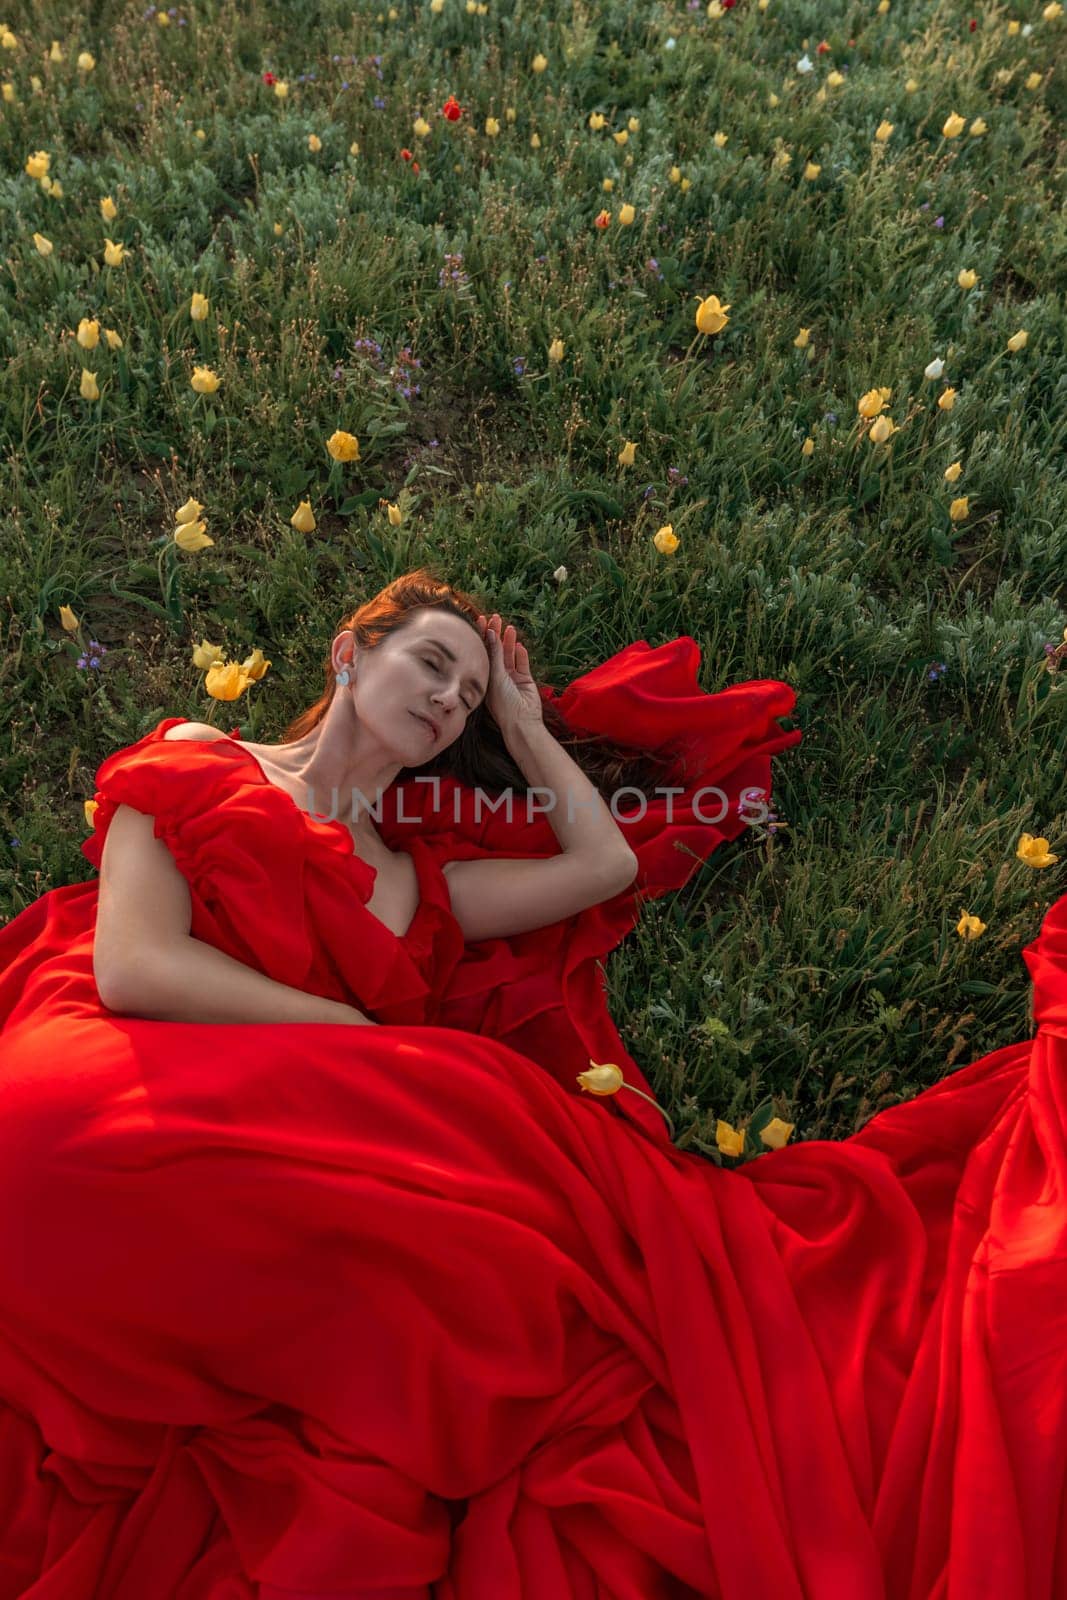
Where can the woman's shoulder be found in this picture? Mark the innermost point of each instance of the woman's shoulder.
(194, 730)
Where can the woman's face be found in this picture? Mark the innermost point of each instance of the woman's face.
(433, 669)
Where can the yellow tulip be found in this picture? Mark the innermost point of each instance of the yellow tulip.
(1033, 81)
(108, 209)
(437, 6)
(198, 307)
(626, 215)
(68, 620)
(255, 666)
(343, 446)
(969, 927)
(114, 254)
(192, 536)
(952, 473)
(634, 124)
(278, 229)
(55, 54)
(801, 339)
(883, 130)
(675, 174)
(535, 141)
(9, 94)
(1035, 852)
(730, 1140)
(808, 447)
(226, 681)
(978, 127)
(711, 315)
(86, 62)
(960, 509)
(1018, 340)
(303, 518)
(114, 342)
(207, 655)
(394, 513)
(204, 381)
(967, 278)
(44, 246)
(835, 79)
(812, 170)
(911, 85)
(953, 127)
(314, 143)
(492, 127)
(719, 140)
(54, 189)
(162, 19)
(601, 1077)
(871, 403)
(89, 389)
(776, 1133)
(1052, 11)
(596, 121)
(883, 428)
(666, 540)
(626, 454)
(88, 335)
(189, 511)
(281, 88)
(37, 165)
(539, 62)
(946, 399)
(620, 136)
(90, 807)
(555, 350)
(421, 128)
(608, 184)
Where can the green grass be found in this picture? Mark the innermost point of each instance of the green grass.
(818, 966)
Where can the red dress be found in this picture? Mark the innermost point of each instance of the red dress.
(290, 1311)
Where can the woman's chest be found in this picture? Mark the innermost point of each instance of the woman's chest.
(395, 896)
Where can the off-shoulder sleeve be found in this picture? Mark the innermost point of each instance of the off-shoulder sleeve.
(243, 859)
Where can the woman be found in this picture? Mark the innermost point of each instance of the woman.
(287, 1310)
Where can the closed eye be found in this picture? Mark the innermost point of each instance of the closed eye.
(435, 668)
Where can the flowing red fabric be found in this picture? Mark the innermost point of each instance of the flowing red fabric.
(293, 1311)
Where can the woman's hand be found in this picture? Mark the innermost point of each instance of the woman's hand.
(512, 697)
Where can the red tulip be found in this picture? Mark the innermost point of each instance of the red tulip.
(452, 109)
(268, 78)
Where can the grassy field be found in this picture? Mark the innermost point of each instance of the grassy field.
(875, 194)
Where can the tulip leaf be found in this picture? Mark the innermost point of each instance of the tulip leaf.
(369, 497)
(579, 500)
(869, 490)
(611, 567)
(140, 600)
(978, 986)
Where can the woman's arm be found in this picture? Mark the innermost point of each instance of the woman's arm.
(187, 980)
(581, 821)
(146, 961)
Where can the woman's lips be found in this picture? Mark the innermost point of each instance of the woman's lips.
(426, 723)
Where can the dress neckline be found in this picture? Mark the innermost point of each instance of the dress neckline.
(423, 905)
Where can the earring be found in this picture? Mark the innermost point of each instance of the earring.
(341, 678)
